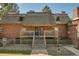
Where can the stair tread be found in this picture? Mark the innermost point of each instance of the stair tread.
(39, 43)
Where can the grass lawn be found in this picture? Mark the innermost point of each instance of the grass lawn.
(54, 53)
(15, 52)
(52, 50)
(63, 52)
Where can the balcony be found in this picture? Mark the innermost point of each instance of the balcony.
(27, 34)
(50, 34)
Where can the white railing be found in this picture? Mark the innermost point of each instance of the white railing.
(27, 34)
(50, 33)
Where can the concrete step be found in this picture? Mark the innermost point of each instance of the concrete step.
(39, 46)
(39, 41)
(38, 51)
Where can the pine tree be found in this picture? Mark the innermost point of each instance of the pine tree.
(46, 9)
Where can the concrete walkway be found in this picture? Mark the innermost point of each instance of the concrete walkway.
(38, 51)
(72, 49)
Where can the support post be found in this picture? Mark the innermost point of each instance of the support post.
(44, 39)
(4, 42)
(20, 38)
(58, 47)
(33, 39)
(14, 41)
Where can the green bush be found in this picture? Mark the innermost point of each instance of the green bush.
(16, 51)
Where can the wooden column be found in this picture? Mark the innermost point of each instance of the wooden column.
(20, 38)
(4, 41)
(44, 39)
(14, 41)
(33, 39)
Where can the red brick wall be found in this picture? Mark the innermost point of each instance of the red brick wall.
(75, 28)
(78, 32)
(11, 30)
(62, 30)
(73, 33)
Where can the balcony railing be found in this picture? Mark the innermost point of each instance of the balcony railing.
(27, 34)
(46, 33)
(50, 34)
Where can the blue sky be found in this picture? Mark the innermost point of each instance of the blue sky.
(56, 7)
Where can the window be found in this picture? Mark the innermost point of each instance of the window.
(21, 18)
(58, 18)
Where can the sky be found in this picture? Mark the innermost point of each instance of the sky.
(55, 7)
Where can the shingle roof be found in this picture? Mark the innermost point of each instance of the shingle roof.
(36, 18)
(64, 18)
(9, 19)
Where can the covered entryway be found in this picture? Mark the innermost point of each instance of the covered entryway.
(39, 41)
(36, 35)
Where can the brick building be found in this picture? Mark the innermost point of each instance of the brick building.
(21, 28)
(74, 27)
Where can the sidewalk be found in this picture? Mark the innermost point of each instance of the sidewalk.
(72, 49)
(39, 52)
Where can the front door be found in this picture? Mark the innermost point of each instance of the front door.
(39, 41)
(38, 31)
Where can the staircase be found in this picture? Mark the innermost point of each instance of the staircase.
(39, 46)
(39, 43)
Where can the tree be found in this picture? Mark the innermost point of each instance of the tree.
(46, 9)
(5, 9)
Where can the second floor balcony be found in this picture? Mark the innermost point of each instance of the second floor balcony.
(44, 33)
